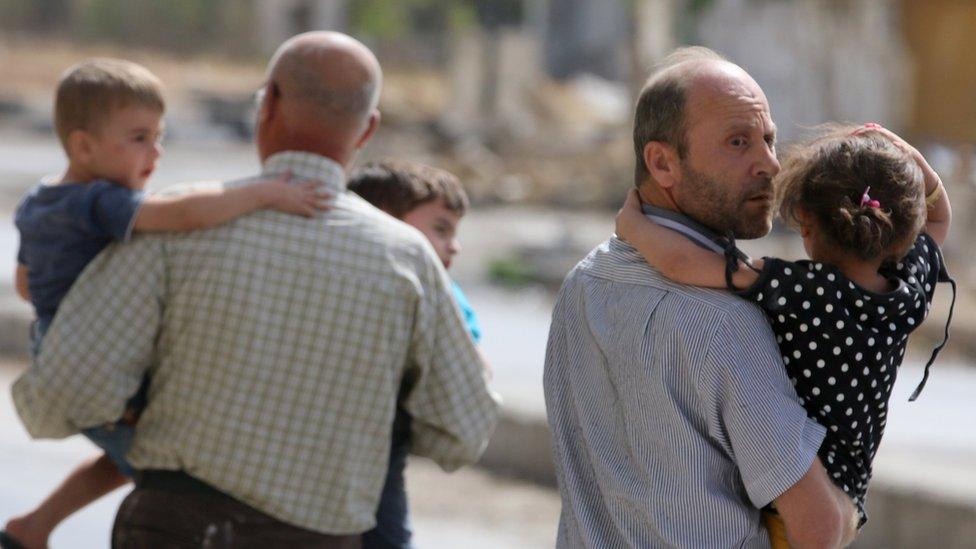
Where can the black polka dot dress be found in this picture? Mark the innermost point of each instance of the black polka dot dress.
(842, 346)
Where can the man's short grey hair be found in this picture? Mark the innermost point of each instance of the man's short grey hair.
(660, 115)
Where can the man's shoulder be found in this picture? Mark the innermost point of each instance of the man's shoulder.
(618, 264)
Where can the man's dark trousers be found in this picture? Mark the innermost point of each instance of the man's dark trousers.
(174, 510)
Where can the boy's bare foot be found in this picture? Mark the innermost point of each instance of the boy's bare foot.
(26, 531)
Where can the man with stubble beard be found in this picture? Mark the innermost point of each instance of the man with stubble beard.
(672, 417)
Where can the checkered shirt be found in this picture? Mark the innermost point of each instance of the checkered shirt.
(277, 347)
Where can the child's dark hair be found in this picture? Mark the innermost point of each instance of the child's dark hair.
(397, 187)
(826, 178)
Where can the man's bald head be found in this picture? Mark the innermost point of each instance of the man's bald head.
(332, 73)
(661, 109)
(325, 90)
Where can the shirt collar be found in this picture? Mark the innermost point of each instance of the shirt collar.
(693, 230)
(306, 165)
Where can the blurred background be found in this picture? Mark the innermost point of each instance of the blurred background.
(530, 102)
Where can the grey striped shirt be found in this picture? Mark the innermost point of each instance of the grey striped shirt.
(672, 417)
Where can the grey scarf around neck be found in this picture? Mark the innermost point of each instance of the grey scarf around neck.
(693, 230)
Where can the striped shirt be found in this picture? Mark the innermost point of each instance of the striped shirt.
(672, 417)
(276, 346)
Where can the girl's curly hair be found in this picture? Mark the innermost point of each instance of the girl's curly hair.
(826, 176)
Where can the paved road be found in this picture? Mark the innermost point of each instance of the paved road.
(470, 508)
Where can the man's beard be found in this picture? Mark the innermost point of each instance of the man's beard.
(716, 204)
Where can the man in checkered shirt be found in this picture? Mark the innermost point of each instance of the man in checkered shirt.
(278, 347)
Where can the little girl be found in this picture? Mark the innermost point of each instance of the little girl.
(872, 214)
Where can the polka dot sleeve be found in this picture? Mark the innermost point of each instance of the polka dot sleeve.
(786, 286)
(921, 268)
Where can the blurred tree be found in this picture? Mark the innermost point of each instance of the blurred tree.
(17, 15)
(384, 20)
(183, 26)
(51, 15)
(412, 31)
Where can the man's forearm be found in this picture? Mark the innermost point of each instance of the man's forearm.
(816, 512)
(38, 409)
(102, 341)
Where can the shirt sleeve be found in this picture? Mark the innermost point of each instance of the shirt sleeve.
(110, 210)
(785, 286)
(453, 410)
(754, 413)
(923, 266)
(99, 346)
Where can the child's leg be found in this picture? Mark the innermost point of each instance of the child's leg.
(777, 530)
(91, 480)
(392, 530)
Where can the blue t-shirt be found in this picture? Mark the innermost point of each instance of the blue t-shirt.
(62, 228)
(467, 312)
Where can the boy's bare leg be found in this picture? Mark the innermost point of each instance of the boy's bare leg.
(91, 480)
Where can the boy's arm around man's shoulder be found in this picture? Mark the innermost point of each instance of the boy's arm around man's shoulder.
(203, 207)
(757, 416)
(453, 410)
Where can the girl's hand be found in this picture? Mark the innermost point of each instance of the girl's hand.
(302, 198)
(630, 219)
(932, 179)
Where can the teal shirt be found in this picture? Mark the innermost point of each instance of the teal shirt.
(467, 312)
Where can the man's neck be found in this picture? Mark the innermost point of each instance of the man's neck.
(324, 148)
(660, 206)
(655, 196)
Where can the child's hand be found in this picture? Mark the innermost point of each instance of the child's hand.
(630, 219)
(302, 198)
(932, 179)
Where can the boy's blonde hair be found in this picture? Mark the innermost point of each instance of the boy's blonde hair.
(89, 91)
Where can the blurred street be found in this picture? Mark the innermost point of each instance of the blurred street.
(530, 103)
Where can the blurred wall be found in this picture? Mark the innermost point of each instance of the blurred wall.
(817, 60)
(942, 37)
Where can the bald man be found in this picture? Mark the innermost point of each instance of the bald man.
(672, 416)
(279, 347)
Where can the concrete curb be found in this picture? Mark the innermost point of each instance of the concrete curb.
(900, 516)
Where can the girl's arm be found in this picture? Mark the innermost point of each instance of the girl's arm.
(939, 213)
(676, 257)
(207, 208)
(20, 281)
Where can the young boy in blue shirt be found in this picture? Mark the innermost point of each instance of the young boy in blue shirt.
(108, 116)
(434, 202)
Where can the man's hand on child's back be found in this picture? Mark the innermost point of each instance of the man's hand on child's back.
(303, 198)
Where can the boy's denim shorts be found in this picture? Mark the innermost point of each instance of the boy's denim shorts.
(114, 439)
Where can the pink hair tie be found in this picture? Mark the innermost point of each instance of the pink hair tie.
(867, 201)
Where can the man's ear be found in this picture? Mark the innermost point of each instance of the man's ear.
(371, 125)
(268, 105)
(662, 163)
